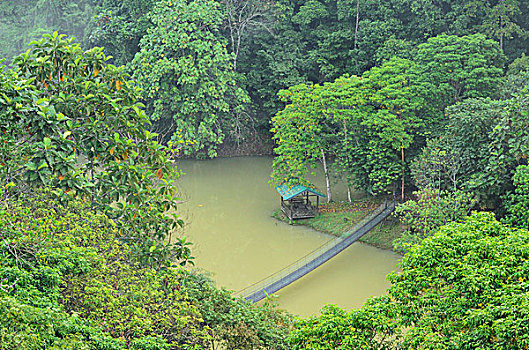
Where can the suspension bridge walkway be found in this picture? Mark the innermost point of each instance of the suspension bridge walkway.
(318, 257)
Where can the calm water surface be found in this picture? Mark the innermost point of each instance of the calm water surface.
(228, 218)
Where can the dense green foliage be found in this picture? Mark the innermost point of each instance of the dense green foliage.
(187, 77)
(517, 203)
(67, 279)
(62, 258)
(465, 287)
(28, 327)
(428, 210)
(118, 26)
(451, 68)
(72, 121)
(275, 44)
(475, 157)
(482, 144)
(235, 323)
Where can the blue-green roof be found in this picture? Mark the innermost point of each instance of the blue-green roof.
(290, 192)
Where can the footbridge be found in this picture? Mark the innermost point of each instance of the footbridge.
(316, 258)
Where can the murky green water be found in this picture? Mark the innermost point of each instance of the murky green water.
(227, 214)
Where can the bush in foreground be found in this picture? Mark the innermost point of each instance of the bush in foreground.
(67, 281)
(517, 203)
(466, 287)
(65, 262)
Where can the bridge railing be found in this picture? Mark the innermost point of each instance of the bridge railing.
(314, 255)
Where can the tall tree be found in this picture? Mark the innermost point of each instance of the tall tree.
(468, 135)
(500, 20)
(452, 68)
(299, 134)
(509, 146)
(398, 103)
(187, 76)
(242, 16)
(72, 121)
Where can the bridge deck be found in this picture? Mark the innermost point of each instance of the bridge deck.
(315, 259)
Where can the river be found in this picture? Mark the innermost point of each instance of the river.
(227, 214)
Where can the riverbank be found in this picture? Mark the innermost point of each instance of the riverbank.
(229, 202)
(256, 144)
(339, 217)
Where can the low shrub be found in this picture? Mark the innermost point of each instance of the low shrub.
(63, 258)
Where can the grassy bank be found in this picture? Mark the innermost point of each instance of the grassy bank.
(338, 218)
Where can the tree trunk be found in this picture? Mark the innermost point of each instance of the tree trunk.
(327, 181)
(236, 51)
(403, 167)
(501, 24)
(356, 25)
(355, 45)
(349, 194)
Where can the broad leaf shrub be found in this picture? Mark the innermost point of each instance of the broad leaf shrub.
(64, 270)
(335, 328)
(26, 327)
(66, 279)
(71, 120)
(466, 287)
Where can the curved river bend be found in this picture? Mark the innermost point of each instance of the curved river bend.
(228, 218)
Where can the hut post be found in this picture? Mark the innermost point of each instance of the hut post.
(291, 212)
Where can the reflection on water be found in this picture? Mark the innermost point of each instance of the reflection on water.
(227, 214)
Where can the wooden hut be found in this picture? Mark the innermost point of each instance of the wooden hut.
(296, 201)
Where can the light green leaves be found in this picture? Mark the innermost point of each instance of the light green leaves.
(361, 122)
(464, 287)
